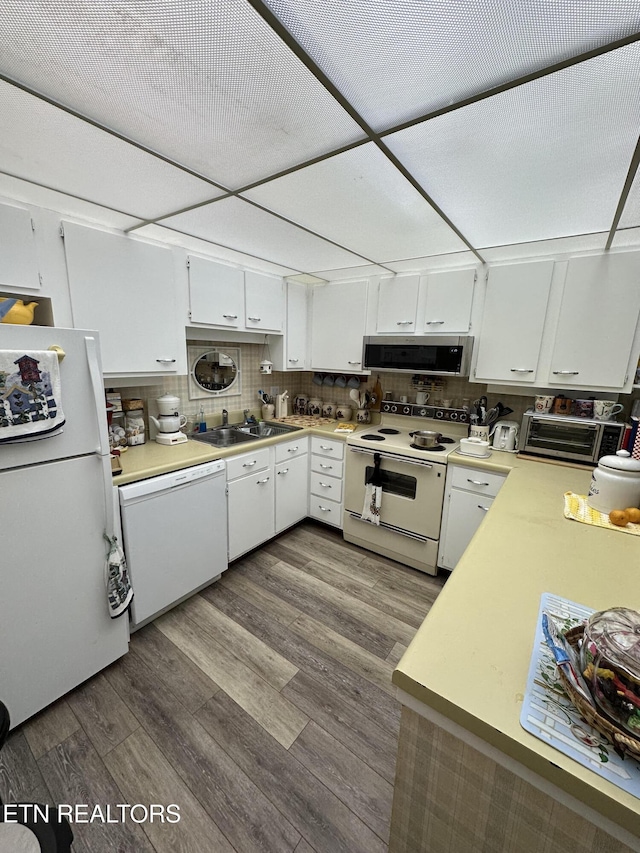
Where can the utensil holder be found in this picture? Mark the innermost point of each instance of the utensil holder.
(268, 412)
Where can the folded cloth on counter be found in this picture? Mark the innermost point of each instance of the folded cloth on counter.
(30, 395)
(119, 590)
(373, 494)
(576, 508)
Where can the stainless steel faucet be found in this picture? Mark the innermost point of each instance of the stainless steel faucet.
(225, 417)
(246, 416)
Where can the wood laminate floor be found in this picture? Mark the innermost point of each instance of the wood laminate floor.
(262, 707)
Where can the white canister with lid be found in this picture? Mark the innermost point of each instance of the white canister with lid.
(615, 483)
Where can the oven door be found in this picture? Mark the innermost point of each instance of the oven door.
(563, 440)
(412, 490)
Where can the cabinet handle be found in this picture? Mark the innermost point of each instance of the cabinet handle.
(262, 482)
(566, 372)
(294, 360)
(325, 447)
(483, 508)
(521, 370)
(326, 467)
(325, 485)
(284, 471)
(324, 508)
(476, 482)
(435, 322)
(249, 464)
(254, 319)
(166, 360)
(354, 362)
(292, 449)
(404, 323)
(230, 316)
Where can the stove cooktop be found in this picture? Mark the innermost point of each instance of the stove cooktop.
(392, 435)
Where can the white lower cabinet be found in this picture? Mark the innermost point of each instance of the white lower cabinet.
(325, 488)
(292, 479)
(469, 493)
(251, 501)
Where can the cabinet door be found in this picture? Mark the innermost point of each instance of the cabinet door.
(597, 322)
(251, 512)
(512, 322)
(296, 336)
(449, 295)
(397, 304)
(264, 302)
(337, 326)
(18, 259)
(125, 289)
(465, 514)
(291, 491)
(216, 293)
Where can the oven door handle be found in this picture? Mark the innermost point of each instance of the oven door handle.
(401, 531)
(391, 456)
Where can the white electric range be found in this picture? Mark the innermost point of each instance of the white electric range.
(412, 479)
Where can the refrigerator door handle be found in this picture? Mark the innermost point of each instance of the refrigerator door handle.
(98, 392)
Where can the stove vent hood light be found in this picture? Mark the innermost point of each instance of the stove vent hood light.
(433, 356)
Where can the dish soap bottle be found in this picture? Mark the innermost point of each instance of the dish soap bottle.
(202, 423)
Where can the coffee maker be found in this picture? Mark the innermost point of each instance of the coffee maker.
(169, 421)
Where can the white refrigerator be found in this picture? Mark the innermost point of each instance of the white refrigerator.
(56, 503)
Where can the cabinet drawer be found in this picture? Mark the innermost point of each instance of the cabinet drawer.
(328, 467)
(326, 487)
(247, 463)
(291, 449)
(327, 447)
(325, 510)
(477, 480)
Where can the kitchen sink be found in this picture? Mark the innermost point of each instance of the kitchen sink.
(228, 435)
(266, 429)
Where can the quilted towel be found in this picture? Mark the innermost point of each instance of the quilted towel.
(30, 401)
(577, 509)
(373, 494)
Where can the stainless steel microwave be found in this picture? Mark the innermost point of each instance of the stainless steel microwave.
(433, 356)
(566, 437)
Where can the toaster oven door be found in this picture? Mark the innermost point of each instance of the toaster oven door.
(561, 439)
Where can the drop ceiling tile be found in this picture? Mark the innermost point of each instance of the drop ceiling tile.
(547, 159)
(46, 145)
(397, 59)
(207, 83)
(360, 200)
(242, 226)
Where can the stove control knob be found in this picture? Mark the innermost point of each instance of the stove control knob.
(423, 413)
(439, 413)
(453, 416)
(406, 410)
(393, 409)
(463, 416)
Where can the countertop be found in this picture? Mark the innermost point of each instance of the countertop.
(151, 459)
(469, 659)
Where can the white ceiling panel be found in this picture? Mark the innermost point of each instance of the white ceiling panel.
(362, 201)
(397, 59)
(242, 226)
(209, 82)
(43, 144)
(544, 160)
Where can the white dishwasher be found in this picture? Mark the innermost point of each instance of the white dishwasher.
(174, 529)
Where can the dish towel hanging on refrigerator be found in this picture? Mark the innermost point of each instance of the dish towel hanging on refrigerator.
(373, 494)
(30, 395)
(119, 590)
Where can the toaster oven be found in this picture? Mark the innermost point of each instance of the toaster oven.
(566, 437)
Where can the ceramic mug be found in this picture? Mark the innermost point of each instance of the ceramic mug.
(583, 408)
(404, 399)
(341, 381)
(446, 404)
(421, 397)
(544, 403)
(353, 382)
(605, 409)
(562, 405)
(344, 413)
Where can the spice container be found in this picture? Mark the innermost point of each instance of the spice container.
(610, 662)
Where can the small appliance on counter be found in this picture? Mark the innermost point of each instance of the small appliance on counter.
(282, 405)
(169, 421)
(505, 436)
(574, 439)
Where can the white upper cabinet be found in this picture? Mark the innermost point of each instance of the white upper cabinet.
(398, 304)
(216, 293)
(515, 307)
(18, 259)
(597, 322)
(289, 351)
(448, 301)
(264, 302)
(125, 289)
(337, 326)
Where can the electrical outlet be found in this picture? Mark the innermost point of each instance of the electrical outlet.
(274, 391)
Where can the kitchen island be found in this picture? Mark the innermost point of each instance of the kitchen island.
(469, 777)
